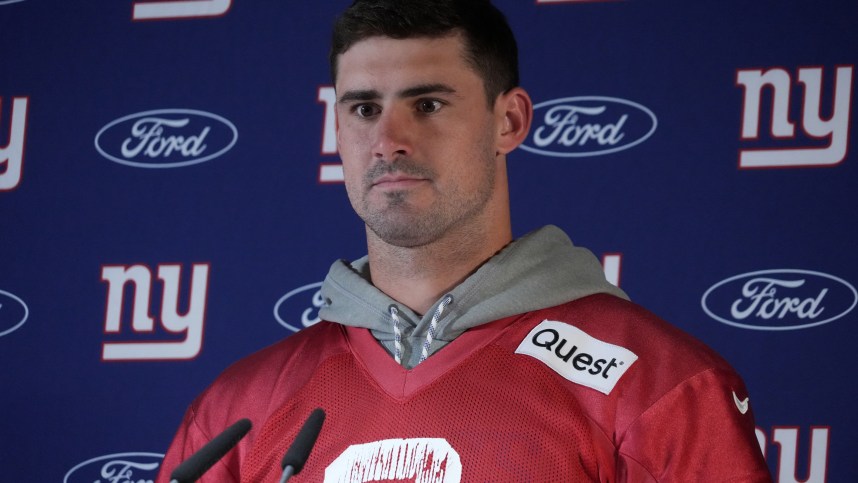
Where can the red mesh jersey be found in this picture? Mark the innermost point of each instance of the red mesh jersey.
(479, 411)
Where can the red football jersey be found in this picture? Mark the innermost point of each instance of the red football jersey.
(594, 390)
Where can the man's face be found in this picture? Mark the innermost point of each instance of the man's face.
(416, 137)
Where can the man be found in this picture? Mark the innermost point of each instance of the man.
(451, 352)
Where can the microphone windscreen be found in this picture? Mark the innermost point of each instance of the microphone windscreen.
(192, 468)
(298, 453)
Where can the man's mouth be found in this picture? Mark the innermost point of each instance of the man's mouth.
(397, 181)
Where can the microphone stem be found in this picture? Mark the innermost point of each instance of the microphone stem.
(288, 471)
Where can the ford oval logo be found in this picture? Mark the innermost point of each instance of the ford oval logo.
(166, 138)
(299, 308)
(119, 467)
(13, 313)
(588, 126)
(785, 299)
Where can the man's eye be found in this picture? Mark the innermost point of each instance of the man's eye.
(428, 106)
(365, 110)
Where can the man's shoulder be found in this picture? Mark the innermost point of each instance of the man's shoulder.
(651, 361)
(256, 381)
(307, 346)
(648, 357)
(621, 322)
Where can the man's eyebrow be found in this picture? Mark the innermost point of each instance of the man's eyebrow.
(359, 95)
(415, 91)
(423, 89)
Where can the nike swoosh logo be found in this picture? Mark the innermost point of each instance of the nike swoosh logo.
(741, 405)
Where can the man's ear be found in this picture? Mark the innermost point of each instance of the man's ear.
(514, 112)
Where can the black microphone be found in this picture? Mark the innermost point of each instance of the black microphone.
(200, 462)
(297, 454)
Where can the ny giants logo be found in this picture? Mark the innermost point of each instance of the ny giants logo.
(784, 299)
(833, 131)
(789, 464)
(329, 172)
(182, 9)
(117, 468)
(154, 346)
(166, 138)
(611, 264)
(588, 126)
(13, 313)
(12, 154)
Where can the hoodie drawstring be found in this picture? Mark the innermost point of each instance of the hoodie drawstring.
(433, 326)
(397, 334)
(430, 334)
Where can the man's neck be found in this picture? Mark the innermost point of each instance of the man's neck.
(419, 276)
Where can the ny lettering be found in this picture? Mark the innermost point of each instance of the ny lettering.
(329, 172)
(12, 154)
(159, 10)
(787, 440)
(835, 129)
(190, 324)
(611, 263)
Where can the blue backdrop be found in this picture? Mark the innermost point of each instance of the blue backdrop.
(170, 198)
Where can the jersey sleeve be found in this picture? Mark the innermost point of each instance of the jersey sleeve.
(701, 430)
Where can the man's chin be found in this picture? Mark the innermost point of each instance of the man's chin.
(404, 235)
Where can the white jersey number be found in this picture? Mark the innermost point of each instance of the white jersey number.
(421, 460)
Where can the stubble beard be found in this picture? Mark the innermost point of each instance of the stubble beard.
(399, 223)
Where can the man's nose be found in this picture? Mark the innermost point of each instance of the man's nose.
(394, 133)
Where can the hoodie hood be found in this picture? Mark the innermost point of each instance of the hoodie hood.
(540, 270)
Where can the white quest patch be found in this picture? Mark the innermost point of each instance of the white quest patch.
(577, 356)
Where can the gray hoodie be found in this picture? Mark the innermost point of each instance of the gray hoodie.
(540, 270)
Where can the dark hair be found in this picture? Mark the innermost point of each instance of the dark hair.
(489, 42)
